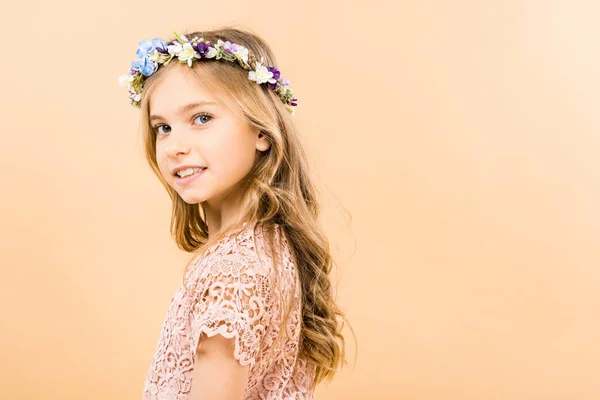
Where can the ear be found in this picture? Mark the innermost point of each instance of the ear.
(262, 142)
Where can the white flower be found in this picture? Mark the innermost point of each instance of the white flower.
(187, 54)
(125, 80)
(153, 56)
(175, 49)
(242, 53)
(211, 53)
(261, 75)
(135, 96)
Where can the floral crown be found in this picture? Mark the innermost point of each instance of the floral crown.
(153, 54)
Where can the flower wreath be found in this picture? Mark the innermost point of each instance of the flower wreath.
(153, 54)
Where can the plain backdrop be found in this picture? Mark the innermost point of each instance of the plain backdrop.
(455, 144)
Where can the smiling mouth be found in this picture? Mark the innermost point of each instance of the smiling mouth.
(184, 173)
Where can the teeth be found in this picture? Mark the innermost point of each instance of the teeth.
(186, 172)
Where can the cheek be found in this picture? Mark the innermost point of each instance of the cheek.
(239, 156)
(234, 150)
(161, 161)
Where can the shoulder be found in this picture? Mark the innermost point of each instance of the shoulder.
(249, 251)
(238, 251)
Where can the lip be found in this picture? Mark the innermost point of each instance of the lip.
(188, 179)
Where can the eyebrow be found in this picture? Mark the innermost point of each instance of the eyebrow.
(187, 108)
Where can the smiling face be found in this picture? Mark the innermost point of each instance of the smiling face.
(194, 128)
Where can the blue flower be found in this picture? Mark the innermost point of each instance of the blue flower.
(144, 65)
(160, 45)
(145, 47)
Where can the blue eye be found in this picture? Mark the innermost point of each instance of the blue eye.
(204, 118)
(157, 128)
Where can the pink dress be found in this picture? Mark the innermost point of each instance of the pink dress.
(231, 293)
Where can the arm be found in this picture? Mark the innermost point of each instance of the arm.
(217, 375)
(232, 311)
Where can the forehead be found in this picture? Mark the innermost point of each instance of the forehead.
(178, 87)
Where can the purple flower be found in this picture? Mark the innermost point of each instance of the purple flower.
(202, 48)
(276, 75)
(275, 71)
(231, 47)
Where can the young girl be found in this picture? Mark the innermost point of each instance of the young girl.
(254, 317)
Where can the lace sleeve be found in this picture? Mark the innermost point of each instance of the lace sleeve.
(234, 300)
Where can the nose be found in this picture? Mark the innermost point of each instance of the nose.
(176, 147)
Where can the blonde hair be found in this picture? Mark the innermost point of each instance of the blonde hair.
(278, 191)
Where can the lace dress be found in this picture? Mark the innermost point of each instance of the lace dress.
(230, 292)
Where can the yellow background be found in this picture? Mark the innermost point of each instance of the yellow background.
(462, 137)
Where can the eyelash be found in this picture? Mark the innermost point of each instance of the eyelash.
(156, 127)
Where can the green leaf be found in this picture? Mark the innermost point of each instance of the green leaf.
(179, 38)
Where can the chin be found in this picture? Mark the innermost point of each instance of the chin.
(192, 196)
(192, 199)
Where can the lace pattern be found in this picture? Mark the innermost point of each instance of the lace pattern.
(237, 302)
(232, 293)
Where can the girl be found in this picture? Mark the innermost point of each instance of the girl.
(254, 317)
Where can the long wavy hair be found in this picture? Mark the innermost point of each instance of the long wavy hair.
(277, 192)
